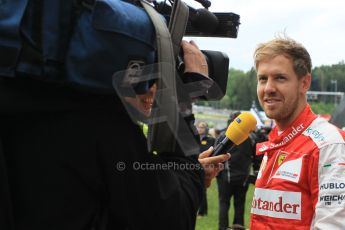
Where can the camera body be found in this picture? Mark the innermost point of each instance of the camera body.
(227, 26)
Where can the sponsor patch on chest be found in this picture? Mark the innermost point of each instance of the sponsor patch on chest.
(277, 204)
(289, 170)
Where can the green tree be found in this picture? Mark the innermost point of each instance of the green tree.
(322, 108)
(241, 89)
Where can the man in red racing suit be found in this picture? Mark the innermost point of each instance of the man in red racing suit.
(301, 181)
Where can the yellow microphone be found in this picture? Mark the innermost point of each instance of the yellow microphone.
(237, 132)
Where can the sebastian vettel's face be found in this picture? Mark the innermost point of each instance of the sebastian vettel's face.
(281, 93)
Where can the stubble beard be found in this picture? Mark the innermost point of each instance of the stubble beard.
(283, 114)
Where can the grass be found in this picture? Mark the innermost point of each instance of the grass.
(210, 222)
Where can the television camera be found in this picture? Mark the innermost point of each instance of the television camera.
(201, 23)
(173, 20)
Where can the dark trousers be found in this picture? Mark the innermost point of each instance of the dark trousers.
(203, 204)
(226, 190)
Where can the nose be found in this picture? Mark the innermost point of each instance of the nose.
(269, 86)
(153, 89)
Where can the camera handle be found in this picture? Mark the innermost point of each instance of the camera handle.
(178, 24)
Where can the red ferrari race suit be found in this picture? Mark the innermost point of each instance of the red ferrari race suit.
(301, 182)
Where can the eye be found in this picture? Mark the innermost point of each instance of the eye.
(280, 77)
(262, 78)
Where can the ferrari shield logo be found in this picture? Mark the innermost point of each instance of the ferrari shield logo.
(281, 157)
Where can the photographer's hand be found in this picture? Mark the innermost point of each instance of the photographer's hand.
(212, 165)
(194, 59)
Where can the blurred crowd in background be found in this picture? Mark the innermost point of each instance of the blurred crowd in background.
(239, 171)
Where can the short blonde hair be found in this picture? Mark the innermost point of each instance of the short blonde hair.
(202, 124)
(290, 49)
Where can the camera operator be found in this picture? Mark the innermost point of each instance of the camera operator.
(72, 159)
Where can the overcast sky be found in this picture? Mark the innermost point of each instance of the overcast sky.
(318, 24)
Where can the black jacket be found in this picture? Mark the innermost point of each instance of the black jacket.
(240, 161)
(206, 142)
(62, 157)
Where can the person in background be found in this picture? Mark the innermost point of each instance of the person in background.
(206, 141)
(300, 184)
(260, 135)
(214, 132)
(232, 181)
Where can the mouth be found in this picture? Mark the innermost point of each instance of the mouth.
(272, 101)
(147, 103)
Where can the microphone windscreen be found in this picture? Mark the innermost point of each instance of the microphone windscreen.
(204, 21)
(239, 129)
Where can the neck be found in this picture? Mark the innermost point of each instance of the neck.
(284, 124)
(202, 135)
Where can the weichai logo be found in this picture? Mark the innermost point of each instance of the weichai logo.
(277, 204)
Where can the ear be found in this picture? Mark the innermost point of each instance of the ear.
(305, 82)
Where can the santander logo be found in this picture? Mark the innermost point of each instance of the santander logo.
(288, 137)
(263, 148)
(277, 204)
